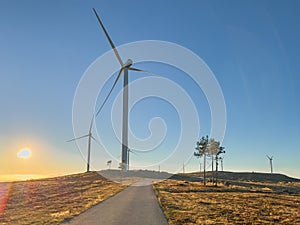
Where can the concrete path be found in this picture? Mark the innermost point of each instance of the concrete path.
(135, 205)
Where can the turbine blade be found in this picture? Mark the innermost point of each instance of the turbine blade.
(118, 77)
(78, 138)
(91, 125)
(96, 141)
(144, 71)
(108, 38)
(133, 152)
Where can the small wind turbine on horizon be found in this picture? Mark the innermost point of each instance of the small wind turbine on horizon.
(90, 137)
(125, 67)
(221, 159)
(271, 162)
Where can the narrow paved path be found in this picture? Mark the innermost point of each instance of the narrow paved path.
(136, 205)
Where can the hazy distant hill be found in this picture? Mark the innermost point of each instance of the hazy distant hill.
(248, 176)
(145, 174)
(236, 176)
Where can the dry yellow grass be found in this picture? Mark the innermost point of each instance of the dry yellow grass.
(51, 201)
(190, 203)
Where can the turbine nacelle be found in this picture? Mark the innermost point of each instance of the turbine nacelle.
(128, 63)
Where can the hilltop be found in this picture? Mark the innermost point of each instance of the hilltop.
(249, 176)
(117, 175)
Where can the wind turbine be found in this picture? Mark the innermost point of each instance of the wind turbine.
(90, 137)
(125, 67)
(271, 162)
(221, 159)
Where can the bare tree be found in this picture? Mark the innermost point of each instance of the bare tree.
(213, 148)
(202, 150)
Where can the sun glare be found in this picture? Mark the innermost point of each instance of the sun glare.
(24, 153)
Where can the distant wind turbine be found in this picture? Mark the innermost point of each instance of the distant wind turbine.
(124, 70)
(90, 137)
(221, 159)
(271, 162)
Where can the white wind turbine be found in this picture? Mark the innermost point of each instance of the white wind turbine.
(124, 70)
(271, 162)
(90, 137)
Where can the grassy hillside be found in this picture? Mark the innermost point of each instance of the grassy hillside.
(51, 201)
(246, 199)
(241, 198)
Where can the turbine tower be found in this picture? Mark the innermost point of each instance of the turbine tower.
(125, 67)
(271, 162)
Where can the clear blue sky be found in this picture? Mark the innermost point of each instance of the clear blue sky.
(251, 46)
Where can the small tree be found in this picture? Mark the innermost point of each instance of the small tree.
(202, 150)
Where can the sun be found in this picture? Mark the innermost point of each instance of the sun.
(24, 153)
